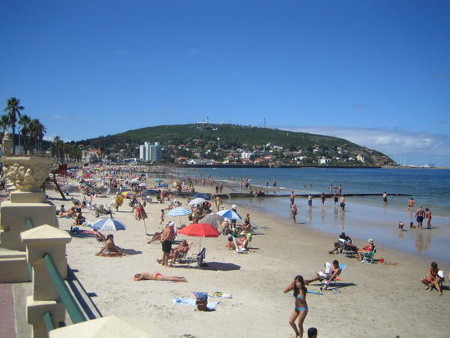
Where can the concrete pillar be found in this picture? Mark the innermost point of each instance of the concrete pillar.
(45, 239)
(25, 176)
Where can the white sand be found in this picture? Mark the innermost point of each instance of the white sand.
(377, 300)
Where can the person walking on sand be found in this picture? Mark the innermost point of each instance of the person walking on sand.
(428, 217)
(294, 212)
(301, 307)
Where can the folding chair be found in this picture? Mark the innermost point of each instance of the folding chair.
(326, 283)
(239, 249)
(199, 258)
(344, 249)
(369, 256)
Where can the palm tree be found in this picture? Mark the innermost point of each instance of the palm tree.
(4, 122)
(13, 109)
(37, 132)
(24, 122)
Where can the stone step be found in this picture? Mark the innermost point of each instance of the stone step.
(13, 266)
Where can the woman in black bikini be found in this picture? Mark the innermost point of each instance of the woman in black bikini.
(301, 307)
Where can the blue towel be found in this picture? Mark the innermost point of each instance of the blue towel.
(189, 301)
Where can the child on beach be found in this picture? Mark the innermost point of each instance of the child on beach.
(161, 221)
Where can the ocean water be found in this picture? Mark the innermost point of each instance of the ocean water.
(366, 216)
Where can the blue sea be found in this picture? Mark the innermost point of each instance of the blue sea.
(366, 216)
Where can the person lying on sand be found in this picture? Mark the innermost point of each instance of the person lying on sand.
(69, 213)
(110, 249)
(157, 276)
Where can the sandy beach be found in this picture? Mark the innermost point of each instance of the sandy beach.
(373, 300)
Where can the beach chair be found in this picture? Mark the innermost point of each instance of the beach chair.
(326, 283)
(369, 256)
(345, 250)
(239, 248)
(199, 258)
(182, 256)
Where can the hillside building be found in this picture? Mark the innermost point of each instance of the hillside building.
(150, 152)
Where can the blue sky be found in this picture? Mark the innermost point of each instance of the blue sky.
(374, 72)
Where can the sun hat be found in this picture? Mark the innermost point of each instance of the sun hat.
(370, 240)
(171, 224)
(234, 206)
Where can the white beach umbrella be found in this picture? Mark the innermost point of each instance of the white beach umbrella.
(197, 200)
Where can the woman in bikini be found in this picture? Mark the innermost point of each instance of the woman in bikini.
(157, 276)
(301, 307)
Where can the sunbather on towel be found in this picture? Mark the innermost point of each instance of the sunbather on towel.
(157, 276)
(330, 273)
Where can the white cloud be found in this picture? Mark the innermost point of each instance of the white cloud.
(60, 117)
(407, 148)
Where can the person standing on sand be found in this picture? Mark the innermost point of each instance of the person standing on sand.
(167, 238)
(301, 307)
(310, 200)
(218, 202)
(428, 217)
(420, 215)
(294, 212)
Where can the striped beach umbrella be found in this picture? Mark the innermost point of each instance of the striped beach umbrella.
(231, 214)
(179, 211)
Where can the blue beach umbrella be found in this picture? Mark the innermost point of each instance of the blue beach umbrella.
(229, 214)
(202, 195)
(108, 224)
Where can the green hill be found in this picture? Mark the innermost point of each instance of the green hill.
(228, 137)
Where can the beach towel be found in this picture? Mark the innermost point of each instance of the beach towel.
(191, 302)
